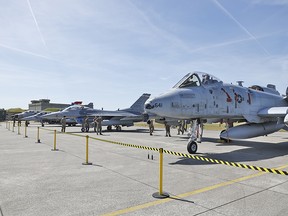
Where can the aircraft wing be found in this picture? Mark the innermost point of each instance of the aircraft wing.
(273, 112)
(104, 113)
(132, 118)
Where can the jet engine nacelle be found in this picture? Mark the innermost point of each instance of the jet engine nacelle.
(251, 130)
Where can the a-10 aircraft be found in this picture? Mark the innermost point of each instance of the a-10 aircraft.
(117, 118)
(201, 97)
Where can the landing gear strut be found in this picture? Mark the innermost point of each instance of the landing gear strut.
(196, 132)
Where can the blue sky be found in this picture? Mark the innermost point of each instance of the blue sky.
(109, 52)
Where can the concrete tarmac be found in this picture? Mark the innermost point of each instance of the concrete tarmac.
(121, 180)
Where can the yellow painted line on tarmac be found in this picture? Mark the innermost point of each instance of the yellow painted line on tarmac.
(198, 191)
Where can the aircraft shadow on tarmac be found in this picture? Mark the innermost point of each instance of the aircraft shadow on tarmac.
(255, 151)
(107, 132)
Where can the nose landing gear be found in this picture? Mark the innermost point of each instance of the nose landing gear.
(192, 147)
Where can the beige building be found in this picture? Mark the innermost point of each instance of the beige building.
(42, 104)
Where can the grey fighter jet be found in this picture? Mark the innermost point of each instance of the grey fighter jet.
(39, 117)
(24, 114)
(118, 118)
(201, 97)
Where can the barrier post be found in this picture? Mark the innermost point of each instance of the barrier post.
(13, 127)
(9, 125)
(160, 194)
(86, 162)
(38, 135)
(54, 149)
(18, 128)
(25, 131)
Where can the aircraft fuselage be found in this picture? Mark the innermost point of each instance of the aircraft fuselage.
(214, 101)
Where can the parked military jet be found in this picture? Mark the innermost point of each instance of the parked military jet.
(39, 117)
(200, 97)
(24, 114)
(118, 118)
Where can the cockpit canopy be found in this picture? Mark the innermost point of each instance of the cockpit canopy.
(74, 107)
(197, 79)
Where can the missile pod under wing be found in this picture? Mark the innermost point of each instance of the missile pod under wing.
(251, 130)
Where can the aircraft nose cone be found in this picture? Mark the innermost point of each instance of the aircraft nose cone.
(224, 135)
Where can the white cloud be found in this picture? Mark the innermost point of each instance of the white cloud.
(271, 2)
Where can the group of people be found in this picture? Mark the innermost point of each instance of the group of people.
(85, 125)
(151, 127)
(98, 126)
(182, 126)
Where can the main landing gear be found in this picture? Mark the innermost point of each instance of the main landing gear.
(84, 129)
(118, 128)
(196, 132)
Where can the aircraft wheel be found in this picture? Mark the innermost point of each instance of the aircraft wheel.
(87, 130)
(192, 147)
(82, 129)
(118, 128)
(109, 128)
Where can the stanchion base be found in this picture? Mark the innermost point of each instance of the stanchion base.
(25, 136)
(38, 141)
(157, 195)
(86, 163)
(54, 149)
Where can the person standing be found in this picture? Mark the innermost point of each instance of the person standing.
(63, 123)
(181, 126)
(99, 125)
(151, 126)
(95, 123)
(86, 124)
(167, 128)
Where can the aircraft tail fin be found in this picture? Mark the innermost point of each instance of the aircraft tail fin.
(138, 106)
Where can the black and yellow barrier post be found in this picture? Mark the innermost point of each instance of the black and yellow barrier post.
(54, 149)
(87, 153)
(160, 194)
(38, 135)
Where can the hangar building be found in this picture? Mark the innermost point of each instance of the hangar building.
(42, 104)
